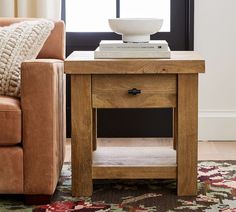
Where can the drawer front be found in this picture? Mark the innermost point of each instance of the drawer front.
(122, 91)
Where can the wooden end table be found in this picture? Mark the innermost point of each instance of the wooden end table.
(134, 83)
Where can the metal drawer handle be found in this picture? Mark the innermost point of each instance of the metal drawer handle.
(134, 91)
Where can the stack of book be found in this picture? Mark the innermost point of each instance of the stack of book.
(118, 49)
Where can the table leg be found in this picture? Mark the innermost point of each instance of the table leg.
(175, 128)
(94, 129)
(187, 134)
(81, 116)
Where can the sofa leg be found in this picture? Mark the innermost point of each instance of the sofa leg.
(37, 199)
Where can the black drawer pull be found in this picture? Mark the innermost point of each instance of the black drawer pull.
(134, 91)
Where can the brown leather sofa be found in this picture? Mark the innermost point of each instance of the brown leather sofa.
(32, 129)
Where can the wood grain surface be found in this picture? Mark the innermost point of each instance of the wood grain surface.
(187, 134)
(134, 172)
(81, 140)
(111, 91)
(83, 62)
(104, 83)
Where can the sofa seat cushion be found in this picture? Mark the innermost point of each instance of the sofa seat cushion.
(10, 121)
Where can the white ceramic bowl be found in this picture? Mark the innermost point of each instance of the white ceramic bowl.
(135, 29)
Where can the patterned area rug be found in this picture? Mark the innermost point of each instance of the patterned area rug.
(216, 192)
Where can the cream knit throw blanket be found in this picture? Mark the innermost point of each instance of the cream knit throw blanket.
(19, 42)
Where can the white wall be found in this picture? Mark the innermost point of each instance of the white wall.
(215, 39)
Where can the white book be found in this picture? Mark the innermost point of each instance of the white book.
(131, 54)
(118, 45)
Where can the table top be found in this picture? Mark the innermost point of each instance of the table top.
(181, 62)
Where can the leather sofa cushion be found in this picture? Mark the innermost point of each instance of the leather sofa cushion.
(11, 170)
(10, 121)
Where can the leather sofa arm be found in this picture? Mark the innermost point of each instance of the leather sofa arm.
(43, 107)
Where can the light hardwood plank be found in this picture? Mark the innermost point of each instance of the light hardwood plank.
(112, 100)
(81, 135)
(134, 163)
(187, 134)
(134, 172)
(83, 62)
(135, 142)
(207, 150)
(111, 91)
(147, 83)
(132, 156)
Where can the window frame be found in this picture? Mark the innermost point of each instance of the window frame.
(90, 40)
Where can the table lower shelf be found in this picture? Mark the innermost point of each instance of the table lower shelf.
(134, 163)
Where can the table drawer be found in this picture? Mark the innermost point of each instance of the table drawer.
(122, 91)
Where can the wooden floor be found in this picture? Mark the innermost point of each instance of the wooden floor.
(207, 150)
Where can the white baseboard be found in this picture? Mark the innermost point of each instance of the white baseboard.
(217, 125)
